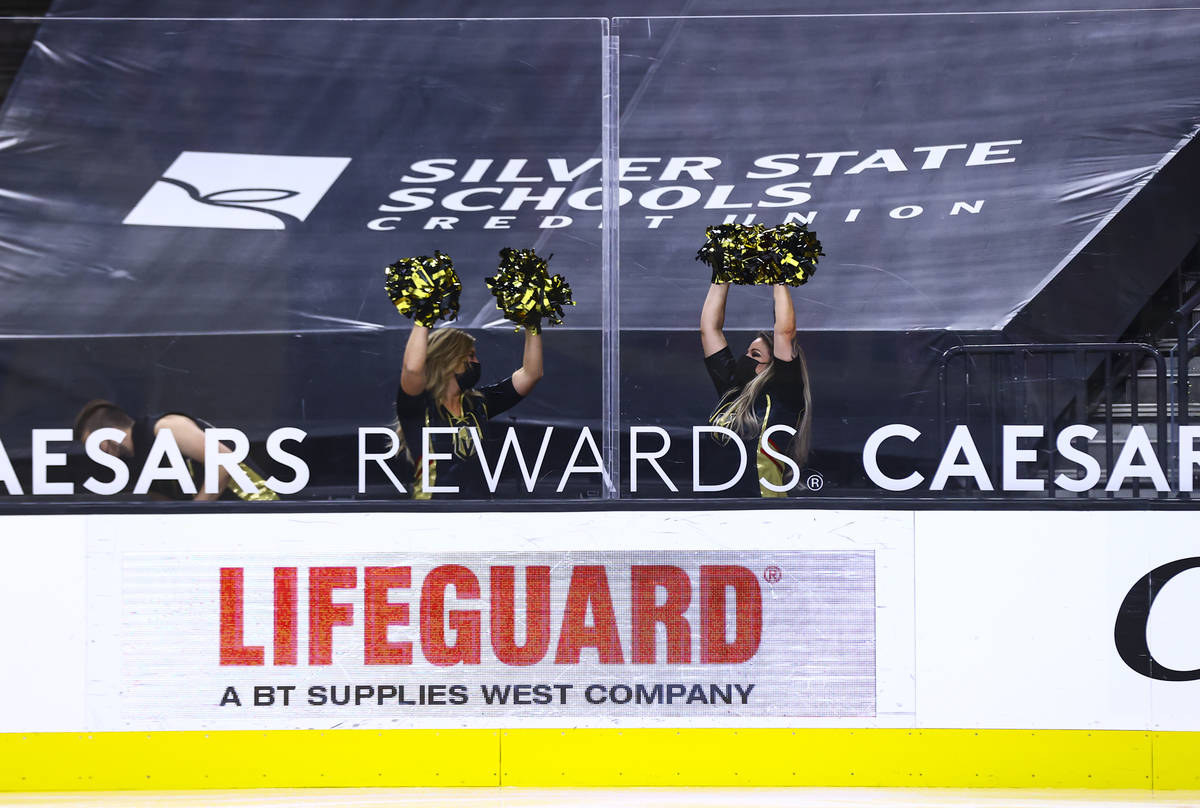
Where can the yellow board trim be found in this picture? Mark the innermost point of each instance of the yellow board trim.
(942, 758)
(287, 758)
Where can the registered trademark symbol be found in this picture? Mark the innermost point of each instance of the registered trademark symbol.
(815, 482)
(772, 574)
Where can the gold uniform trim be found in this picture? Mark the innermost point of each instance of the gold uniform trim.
(464, 447)
(261, 492)
(767, 467)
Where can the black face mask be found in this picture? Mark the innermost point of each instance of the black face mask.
(469, 377)
(744, 370)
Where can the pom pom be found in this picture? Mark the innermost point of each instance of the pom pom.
(751, 254)
(423, 288)
(526, 291)
(790, 255)
(732, 251)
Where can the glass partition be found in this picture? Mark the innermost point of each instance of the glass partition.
(974, 181)
(196, 218)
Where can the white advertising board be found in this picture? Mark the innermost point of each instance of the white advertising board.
(1031, 620)
(1017, 620)
(668, 618)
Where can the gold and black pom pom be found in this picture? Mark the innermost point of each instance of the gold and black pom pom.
(423, 288)
(734, 252)
(752, 255)
(790, 254)
(526, 291)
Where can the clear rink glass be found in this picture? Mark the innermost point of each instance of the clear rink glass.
(955, 211)
(232, 191)
(195, 216)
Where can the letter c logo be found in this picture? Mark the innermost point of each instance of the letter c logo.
(1134, 616)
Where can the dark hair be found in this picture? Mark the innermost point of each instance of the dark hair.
(97, 414)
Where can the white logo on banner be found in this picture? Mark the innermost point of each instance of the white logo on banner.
(240, 191)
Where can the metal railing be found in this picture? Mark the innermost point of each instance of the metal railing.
(1010, 394)
(1182, 350)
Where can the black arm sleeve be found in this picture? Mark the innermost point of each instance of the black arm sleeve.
(720, 369)
(499, 397)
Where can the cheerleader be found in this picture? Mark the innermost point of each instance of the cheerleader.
(766, 386)
(438, 388)
(138, 436)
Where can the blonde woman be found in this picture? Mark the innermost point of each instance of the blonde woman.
(766, 386)
(438, 389)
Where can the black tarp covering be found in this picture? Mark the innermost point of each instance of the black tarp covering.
(1029, 172)
(105, 109)
(1098, 103)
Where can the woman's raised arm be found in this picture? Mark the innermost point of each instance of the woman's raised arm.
(530, 372)
(785, 324)
(712, 319)
(412, 375)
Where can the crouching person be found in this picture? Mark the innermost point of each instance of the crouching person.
(138, 437)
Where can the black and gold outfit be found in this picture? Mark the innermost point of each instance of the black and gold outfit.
(780, 402)
(463, 468)
(142, 437)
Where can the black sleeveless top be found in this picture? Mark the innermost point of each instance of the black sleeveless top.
(781, 401)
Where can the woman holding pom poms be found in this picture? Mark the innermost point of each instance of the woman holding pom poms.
(438, 388)
(441, 370)
(768, 385)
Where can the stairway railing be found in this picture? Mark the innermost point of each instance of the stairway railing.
(1184, 348)
(1059, 398)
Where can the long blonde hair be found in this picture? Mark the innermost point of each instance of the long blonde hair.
(447, 348)
(735, 410)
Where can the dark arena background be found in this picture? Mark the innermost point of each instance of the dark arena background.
(982, 575)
